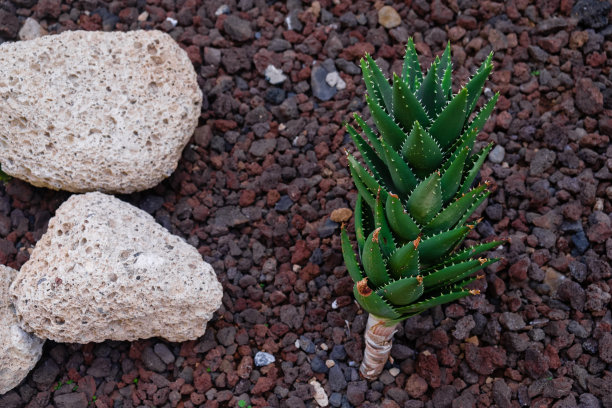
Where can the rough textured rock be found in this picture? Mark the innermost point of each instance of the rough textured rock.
(105, 270)
(19, 351)
(93, 111)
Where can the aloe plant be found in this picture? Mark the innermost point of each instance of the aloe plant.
(416, 196)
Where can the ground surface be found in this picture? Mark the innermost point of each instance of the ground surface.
(255, 189)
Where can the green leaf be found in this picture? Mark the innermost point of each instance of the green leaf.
(404, 180)
(479, 200)
(403, 291)
(401, 222)
(426, 200)
(371, 85)
(421, 151)
(387, 244)
(430, 92)
(450, 273)
(390, 131)
(381, 82)
(452, 176)
(450, 216)
(411, 71)
(433, 302)
(405, 261)
(433, 249)
(364, 222)
(373, 262)
(445, 72)
(406, 107)
(477, 161)
(372, 137)
(476, 84)
(447, 126)
(349, 257)
(482, 116)
(376, 165)
(474, 250)
(375, 305)
(359, 173)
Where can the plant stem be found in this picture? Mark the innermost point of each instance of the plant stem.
(378, 340)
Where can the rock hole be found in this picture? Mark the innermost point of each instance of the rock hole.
(112, 277)
(59, 320)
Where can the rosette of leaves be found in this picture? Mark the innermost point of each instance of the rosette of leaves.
(416, 191)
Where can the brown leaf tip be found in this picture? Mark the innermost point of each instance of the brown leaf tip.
(480, 277)
(416, 242)
(393, 195)
(419, 279)
(474, 292)
(363, 288)
(482, 260)
(375, 234)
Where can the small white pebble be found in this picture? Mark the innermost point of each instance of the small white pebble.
(334, 79)
(172, 21)
(143, 16)
(394, 371)
(330, 363)
(297, 344)
(324, 346)
(335, 304)
(223, 9)
(274, 75)
(319, 393)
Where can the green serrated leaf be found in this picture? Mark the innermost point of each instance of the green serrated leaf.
(376, 165)
(403, 291)
(432, 249)
(381, 82)
(373, 262)
(426, 200)
(483, 115)
(476, 84)
(474, 251)
(433, 302)
(375, 305)
(450, 273)
(447, 126)
(401, 222)
(371, 135)
(405, 261)
(349, 257)
(357, 171)
(390, 131)
(403, 179)
(479, 200)
(411, 71)
(387, 243)
(406, 107)
(451, 179)
(450, 216)
(477, 161)
(430, 92)
(421, 151)
(364, 222)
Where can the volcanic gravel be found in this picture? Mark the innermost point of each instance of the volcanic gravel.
(256, 186)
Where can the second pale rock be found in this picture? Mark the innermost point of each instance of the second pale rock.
(19, 351)
(93, 111)
(106, 270)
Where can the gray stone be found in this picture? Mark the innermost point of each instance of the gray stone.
(237, 28)
(497, 154)
(320, 88)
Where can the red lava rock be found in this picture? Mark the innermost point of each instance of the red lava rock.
(589, 98)
(518, 271)
(202, 382)
(357, 51)
(263, 384)
(484, 360)
(415, 386)
(535, 363)
(427, 367)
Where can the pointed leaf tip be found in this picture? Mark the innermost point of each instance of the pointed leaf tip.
(474, 292)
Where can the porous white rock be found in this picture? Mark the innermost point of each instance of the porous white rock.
(19, 351)
(106, 270)
(95, 111)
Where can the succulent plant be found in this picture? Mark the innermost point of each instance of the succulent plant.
(416, 194)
